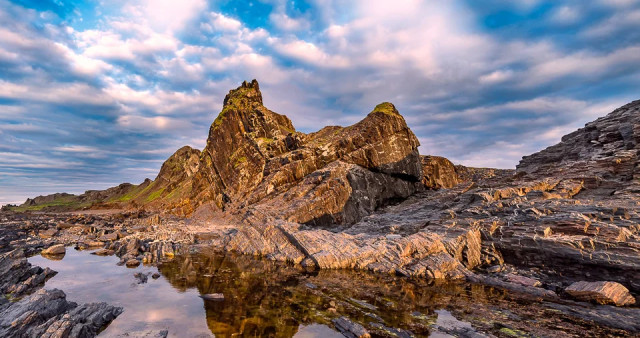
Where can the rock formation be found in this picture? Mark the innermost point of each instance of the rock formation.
(571, 210)
(602, 156)
(438, 172)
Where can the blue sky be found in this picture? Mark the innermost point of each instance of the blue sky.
(95, 93)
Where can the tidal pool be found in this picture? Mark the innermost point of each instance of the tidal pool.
(270, 299)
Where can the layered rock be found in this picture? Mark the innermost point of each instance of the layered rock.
(438, 172)
(603, 155)
(601, 292)
(34, 312)
(256, 167)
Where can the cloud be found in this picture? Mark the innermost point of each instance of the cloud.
(106, 98)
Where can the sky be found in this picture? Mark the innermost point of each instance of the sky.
(96, 93)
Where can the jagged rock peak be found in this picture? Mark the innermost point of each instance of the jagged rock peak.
(248, 93)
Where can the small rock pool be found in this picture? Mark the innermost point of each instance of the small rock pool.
(270, 299)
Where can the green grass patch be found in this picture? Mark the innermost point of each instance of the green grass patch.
(386, 108)
(155, 195)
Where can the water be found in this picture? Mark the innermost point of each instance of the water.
(264, 298)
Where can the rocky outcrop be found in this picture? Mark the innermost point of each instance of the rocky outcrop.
(257, 167)
(47, 313)
(603, 155)
(26, 311)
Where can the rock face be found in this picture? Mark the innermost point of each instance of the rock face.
(601, 293)
(257, 167)
(438, 172)
(603, 155)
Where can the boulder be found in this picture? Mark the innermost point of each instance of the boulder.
(132, 263)
(601, 293)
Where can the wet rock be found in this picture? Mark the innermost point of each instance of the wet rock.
(57, 249)
(522, 280)
(141, 277)
(94, 244)
(446, 324)
(48, 313)
(350, 329)
(155, 275)
(627, 319)
(213, 296)
(103, 252)
(601, 293)
(18, 276)
(132, 263)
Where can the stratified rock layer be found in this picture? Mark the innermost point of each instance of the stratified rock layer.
(43, 313)
(256, 167)
(601, 292)
(438, 172)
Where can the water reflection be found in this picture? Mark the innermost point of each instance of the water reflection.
(263, 298)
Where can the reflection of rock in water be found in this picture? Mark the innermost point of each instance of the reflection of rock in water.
(266, 298)
(57, 257)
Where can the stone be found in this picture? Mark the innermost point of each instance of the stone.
(57, 249)
(601, 293)
(350, 329)
(103, 252)
(93, 244)
(522, 280)
(39, 313)
(142, 278)
(132, 263)
(155, 275)
(438, 172)
(48, 233)
(110, 237)
(48, 313)
(213, 296)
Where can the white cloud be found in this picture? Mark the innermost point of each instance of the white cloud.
(286, 23)
(151, 124)
(496, 77)
(565, 15)
(220, 22)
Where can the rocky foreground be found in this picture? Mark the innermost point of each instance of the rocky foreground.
(562, 227)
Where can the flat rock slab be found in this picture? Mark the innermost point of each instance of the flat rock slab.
(213, 296)
(350, 329)
(103, 252)
(522, 280)
(601, 293)
(48, 233)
